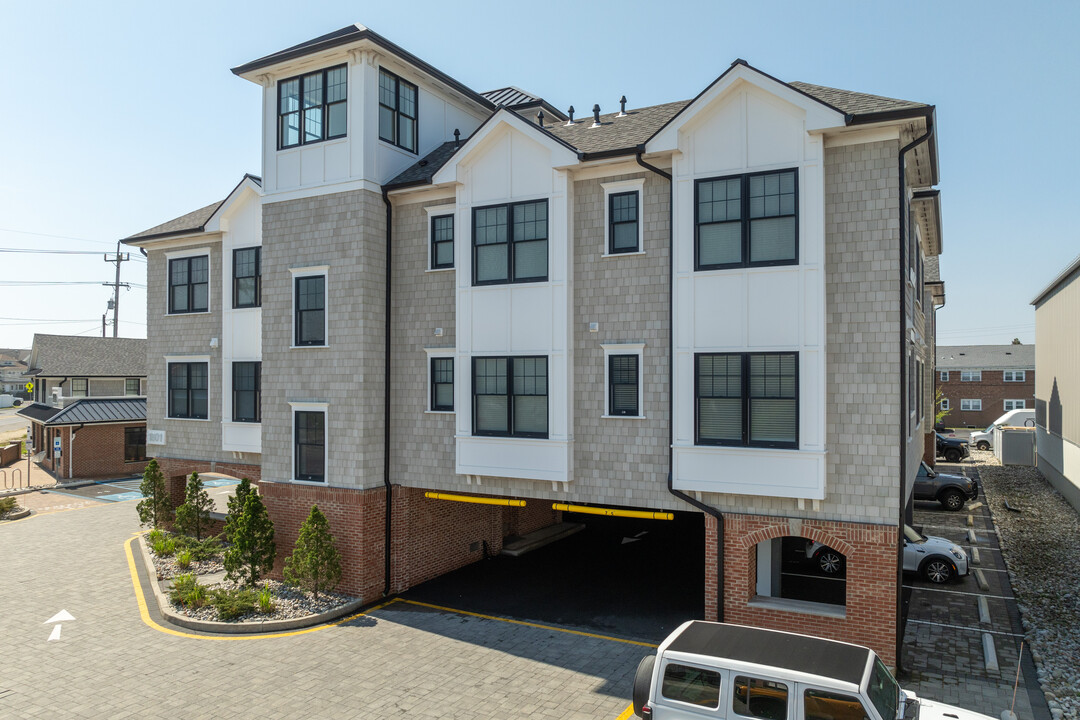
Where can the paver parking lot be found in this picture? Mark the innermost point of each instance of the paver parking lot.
(401, 660)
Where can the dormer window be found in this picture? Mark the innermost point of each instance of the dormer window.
(312, 107)
(397, 111)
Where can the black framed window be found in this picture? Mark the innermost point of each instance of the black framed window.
(313, 107)
(442, 242)
(746, 220)
(135, 444)
(247, 277)
(189, 284)
(131, 386)
(442, 384)
(79, 387)
(623, 382)
(188, 383)
(397, 111)
(309, 445)
(747, 399)
(510, 396)
(510, 243)
(623, 222)
(311, 310)
(247, 391)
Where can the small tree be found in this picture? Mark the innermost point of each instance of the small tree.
(315, 564)
(941, 412)
(193, 517)
(236, 507)
(252, 552)
(155, 508)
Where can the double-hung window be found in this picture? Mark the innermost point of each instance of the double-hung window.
(1015, 405)
(971, 376)
(247, 277)
(623, 219)
(247, 391)
(442, 242)
(944, 403)
(310, 305)
(747, 399)
(189, 284)
(969, 405)
(1014, 375)
(510, 243)
(622, 375)
(442, 384)
(309, 445)
(510, 396)
(79, 387)
(747, 220)
(313, 107)
(135, 444)
(188, 390)
(131, 386)
(943, 376)
(397, 111)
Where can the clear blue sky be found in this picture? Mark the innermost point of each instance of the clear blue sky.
(119, 116)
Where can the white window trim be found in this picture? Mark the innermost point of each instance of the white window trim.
(309, 406)
(971, 407)
(625, 349)
(976, 373)
(1023, 404)
(433, 212)
(943, 376)
(185, 253)
(440, 353)
(614, 188)
(1022, 378)
(944, 403)
(169, 359)
(310, 271)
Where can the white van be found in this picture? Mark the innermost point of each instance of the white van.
(1014, 418)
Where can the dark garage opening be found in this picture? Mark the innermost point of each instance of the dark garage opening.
(620, 576)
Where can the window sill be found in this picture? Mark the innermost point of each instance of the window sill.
(242, 423)
(623, 417)
(170, 417)
(186, 314)
(308, 347)
(312, 483)
(801, 607)
(439, 269)
(625, 254)
(440, 412)
(246, 307)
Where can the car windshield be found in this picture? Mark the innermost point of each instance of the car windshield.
(883, 691)
(989, 429)
(912, 535)
(927, 471)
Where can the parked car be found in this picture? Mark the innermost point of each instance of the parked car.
(952, 449)
(1020, 418)
(710, 670)
(934, 558)
(952, 491)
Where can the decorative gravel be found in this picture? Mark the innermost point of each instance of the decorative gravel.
(167, 567)
(1041, 547)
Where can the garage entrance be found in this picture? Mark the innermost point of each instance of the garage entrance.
(620, 576)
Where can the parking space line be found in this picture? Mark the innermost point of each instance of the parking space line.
(961, 592)
(962, 627)
(627, 713)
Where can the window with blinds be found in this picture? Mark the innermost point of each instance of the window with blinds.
(748, 399)
(442, 384)
(510, 396)
(623, 382)
(510, 243)
(746, 220)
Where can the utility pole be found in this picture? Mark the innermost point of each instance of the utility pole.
(117, 258)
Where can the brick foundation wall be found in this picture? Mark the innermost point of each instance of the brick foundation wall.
(871, 551)
(178, 470)
(711, 547)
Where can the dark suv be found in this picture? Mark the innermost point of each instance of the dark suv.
(952, 491)
(952, 449)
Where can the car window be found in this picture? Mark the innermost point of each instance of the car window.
(924, 469)
(911, 535)
(696, 686)
(754, 697)
(883, 691)
(821, 705)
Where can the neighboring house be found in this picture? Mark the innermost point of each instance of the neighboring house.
(89, 409)
(12, 368)
(979, 383)
(1057, 391)
(712, 307)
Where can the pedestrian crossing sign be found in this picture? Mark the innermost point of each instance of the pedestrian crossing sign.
(29, 387)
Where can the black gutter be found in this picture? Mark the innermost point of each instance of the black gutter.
(386, 395)
(904, 419)
(671, 394)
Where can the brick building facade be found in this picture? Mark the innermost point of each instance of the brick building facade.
(980, 383)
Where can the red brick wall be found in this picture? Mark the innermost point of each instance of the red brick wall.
(871, 552)
(992, 390)
(711, 548)
(177, 471)
(99, 452)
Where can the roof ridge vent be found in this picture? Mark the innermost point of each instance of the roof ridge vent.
(570, 113)
(596, 116)
(622, 107)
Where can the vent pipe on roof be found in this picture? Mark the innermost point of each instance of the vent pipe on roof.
(457, 138)
(595, 116)
(571, 114)
(622, 107)
(540, 118)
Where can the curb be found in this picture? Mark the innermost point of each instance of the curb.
(244, 628)
(40, 488)
(25, 512)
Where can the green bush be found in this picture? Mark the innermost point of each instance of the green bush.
(187, 591)
(193, 516)
(156, 506)
(266, 600)
(252, 552)
(315, 564)
(153, 536)
(205, 549)
(164, 547)
(232, 603)
(183, 559)
(6, 506)
(236, 507)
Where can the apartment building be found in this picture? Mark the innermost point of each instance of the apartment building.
(980, 383)
(713, 308)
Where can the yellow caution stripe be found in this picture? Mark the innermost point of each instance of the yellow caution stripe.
(613, 512)
(478, 500)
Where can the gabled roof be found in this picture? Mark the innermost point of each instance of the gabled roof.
(91, 410)
(1061, 278)
(73, 356)
(38, 412)
(616, 134)
(191, 223)
(986, 357)
(421, 171)
(860, 106)
(519, 101)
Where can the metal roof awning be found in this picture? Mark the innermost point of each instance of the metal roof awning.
(89, 411)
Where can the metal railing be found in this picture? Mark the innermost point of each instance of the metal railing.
(15, 481)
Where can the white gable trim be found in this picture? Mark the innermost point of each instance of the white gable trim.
(242, 192)
(561, 154)
(818, 115)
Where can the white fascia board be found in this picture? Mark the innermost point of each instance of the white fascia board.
(818, 116)
(561, 155)
(241, 194)
(178, 241)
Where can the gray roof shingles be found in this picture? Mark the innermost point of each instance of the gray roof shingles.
(193, 221)
(856, 103)
(986, 357)
(72, 356)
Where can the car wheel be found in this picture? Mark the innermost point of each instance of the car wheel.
(643, 682)
(951, 500)
(830, 561)
(983, 445)
(952, 455)
(937, 570)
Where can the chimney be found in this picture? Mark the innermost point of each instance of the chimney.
(596, 116)
(622, 107)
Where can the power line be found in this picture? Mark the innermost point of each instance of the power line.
(58, 237)
(38, 251)
(37, 283)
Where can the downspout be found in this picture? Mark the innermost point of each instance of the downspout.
(386, 396)
(671, 394)
(904, 420)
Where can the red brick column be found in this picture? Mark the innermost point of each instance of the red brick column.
(711, 548)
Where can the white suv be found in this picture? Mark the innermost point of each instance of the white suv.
(716, 670)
